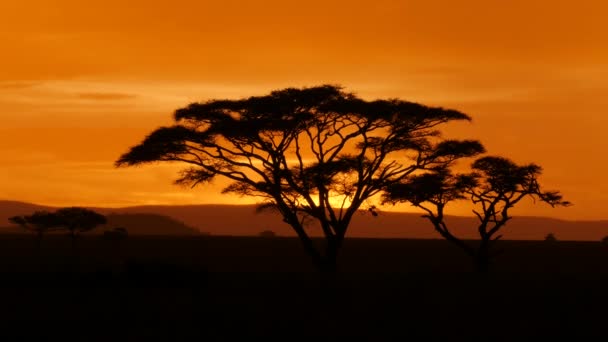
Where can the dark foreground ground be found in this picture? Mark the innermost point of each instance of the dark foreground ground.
(218, 288)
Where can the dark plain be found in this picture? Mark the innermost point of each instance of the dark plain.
(220, 288)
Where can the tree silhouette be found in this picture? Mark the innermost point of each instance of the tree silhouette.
(267, 234)
(313, 154)
(494, 187)
(74, 219)
(77, 220)
(39, 223)
(550, 238)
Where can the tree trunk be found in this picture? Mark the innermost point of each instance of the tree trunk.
(329, 272)
(310, 249)
(326, 264)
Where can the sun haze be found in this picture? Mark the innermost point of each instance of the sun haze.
(81, 82)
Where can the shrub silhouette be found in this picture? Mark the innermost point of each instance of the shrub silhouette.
(314, 154)
(267, 234)
(550, 237)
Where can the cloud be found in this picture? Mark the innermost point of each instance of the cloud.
(18, 85)
(106, 96)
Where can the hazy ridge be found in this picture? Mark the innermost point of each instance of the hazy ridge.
(243, 220)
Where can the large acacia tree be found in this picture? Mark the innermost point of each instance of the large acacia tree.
(314, 154)
(493, 187)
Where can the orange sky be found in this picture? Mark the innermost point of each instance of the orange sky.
(81, 81)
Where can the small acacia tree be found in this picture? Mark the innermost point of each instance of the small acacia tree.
(494, 187)
(39, 223)
(314, 154)
(78, 220)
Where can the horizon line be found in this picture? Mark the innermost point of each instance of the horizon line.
(254, 204)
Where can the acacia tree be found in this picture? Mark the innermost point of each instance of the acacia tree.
(314, 154)
(494, 186)
(77, 220)
(39, 223)
(73, 219)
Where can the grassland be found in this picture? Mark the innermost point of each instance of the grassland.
(222, 287)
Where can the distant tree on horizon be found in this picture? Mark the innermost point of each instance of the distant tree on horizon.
(73, 219)
(267, 233)
(39, 223)
(494, 186)
(77, 220)
(550, 237)
(313, 154)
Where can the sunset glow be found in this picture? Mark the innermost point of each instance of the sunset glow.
(81, 82)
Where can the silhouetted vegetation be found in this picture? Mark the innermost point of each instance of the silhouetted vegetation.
(75, 220)
(313, 154)
(150, 224)
(267, 234)
(550, 238)
(223, 287)
(78, 220)
(39, 223)
(494, 187)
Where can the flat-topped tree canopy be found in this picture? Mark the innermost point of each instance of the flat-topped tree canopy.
(79, 220)
(38, 222)
(316, 152)
(73, 219)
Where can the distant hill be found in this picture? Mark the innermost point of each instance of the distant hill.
(135, 223)
(13, 208)
(243, 220)
(149, 224)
